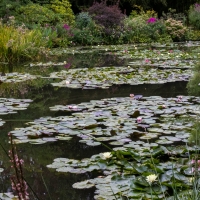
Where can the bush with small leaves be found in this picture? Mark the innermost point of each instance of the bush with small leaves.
(32, 14)
(194, 16)
(62, 8)
(83, 19)
(176, 29)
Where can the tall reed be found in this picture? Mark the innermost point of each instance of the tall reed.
(19, 43)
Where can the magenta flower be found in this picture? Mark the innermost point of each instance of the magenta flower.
(66, 27)
(152, 20)
(67, 66)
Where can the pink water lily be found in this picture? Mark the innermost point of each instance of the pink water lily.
(139, 119)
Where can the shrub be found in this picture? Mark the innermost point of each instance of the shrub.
(193, 84)
(174, 15)
(83, 19)
(62, 8)
(193, 35)
(31, 14)
(20, 43)
(91, 34)
(64, 35)
(109, 17)
(194, 15)
(145, 27)
(176, 29)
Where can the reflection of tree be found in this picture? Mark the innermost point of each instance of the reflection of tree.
(94, 59)
(193, 85)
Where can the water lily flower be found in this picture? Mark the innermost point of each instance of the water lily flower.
(139, 119)
(180, 97)
(131, 95)
(163, 106)
(192, 162)
(107, 155)
(147, 60)
(151, 178)
(67, 82)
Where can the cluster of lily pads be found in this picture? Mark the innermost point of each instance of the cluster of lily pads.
(11, 106)
(8, 196)
(107, 76)
(16, 77)
(127, 122)
(148, 173)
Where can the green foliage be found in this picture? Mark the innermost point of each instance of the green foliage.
(20, 43)
(195, 134)
(62, 9)
(193, 35)
(91, 34)
(176, 29)
(172, 14)
(193, 85)
(64, 36)
(31, 14)
(8, 7)
(194, 16)
(138, 30)
(83, 19)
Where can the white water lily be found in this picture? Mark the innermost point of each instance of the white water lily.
(151, 178)
(107, 155)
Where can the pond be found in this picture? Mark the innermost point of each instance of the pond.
(84, 91)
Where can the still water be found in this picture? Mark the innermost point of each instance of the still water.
(44, 95)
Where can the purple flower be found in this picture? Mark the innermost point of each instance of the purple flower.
(67, 66)
(152, 20)
(66, 27)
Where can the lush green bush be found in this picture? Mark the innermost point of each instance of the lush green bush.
(62, 8)
(193, 35)
(20, 43)
(145, 27)
(32, 14)
(194, 15)
(83, 19)
(176, 29)
(64, 35)
(193, 85)
(54, 13)
(89, 35)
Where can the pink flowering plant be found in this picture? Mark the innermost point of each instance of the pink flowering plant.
(18, 183)
(151, 20)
